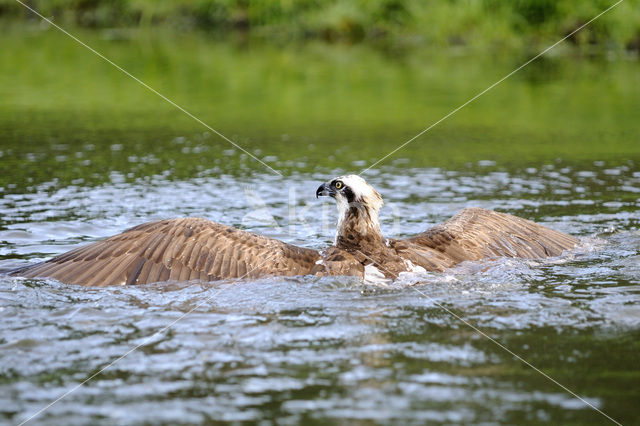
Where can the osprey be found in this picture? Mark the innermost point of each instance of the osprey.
(198, 249)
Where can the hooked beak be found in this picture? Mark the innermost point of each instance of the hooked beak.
(324, 190)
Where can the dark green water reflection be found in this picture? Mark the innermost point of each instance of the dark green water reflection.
(68, 115)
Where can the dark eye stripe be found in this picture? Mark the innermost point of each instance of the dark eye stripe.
(348, 193)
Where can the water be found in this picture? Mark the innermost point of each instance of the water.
(555, 145)
(302, 349)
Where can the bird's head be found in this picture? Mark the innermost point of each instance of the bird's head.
(358, 203)
(351, 190)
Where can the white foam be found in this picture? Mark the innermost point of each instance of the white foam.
(372, 275)
(413, 268)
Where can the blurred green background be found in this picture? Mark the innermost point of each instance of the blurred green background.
(483, 23)
(311, 86)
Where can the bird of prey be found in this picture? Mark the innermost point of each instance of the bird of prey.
(198, 249)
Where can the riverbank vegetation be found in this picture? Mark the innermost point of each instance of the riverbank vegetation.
(456, 23)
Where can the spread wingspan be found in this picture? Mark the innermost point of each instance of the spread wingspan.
(475, 234)
(198, 249)
(175, 249)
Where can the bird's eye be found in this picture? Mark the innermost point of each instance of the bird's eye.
(339, 185)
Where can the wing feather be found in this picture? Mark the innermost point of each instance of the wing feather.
(157, 243)
(146, 270)
(182, 273)
(175, 249)
(133, 272)
(164, 275)
(475, 234)
(216, 268)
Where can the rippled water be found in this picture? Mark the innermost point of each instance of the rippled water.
(305, 349)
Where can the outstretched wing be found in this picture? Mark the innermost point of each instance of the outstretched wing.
(475, 234)
(175, 249)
